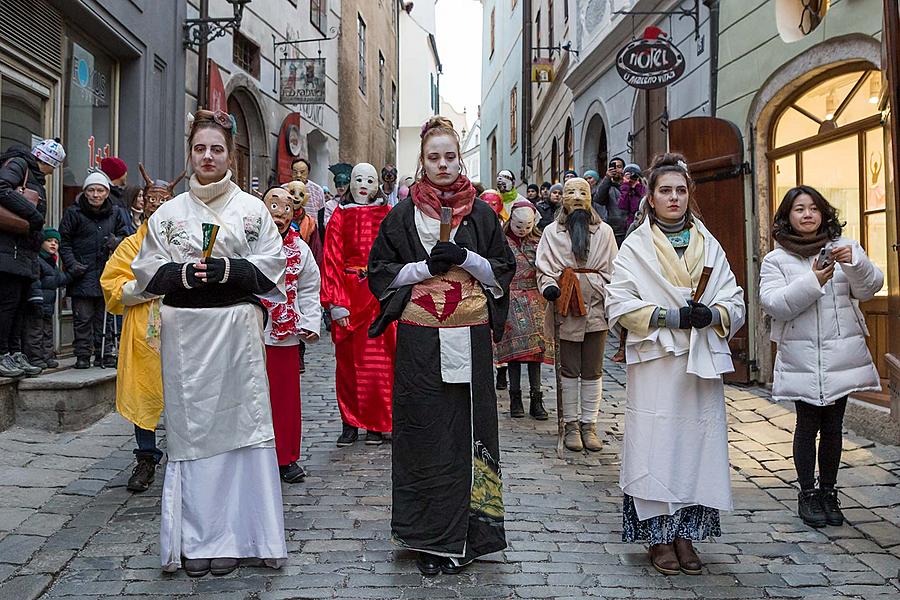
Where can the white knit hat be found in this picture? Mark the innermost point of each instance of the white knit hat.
(96, 178)
(49, 151)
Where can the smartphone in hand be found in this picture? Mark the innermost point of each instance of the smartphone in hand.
(824, 259)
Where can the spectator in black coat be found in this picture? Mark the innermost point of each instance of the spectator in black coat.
(18, 252)
(547, 208)
(90, 230)
(38, 336)
(607, 195)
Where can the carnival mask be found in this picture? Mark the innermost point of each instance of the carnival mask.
(576, 195)
(156, 191)
(363, 183)
(297, 189)
(493, 200)
(521, 221)
(280, 205)
(505, 181)
(300, 171)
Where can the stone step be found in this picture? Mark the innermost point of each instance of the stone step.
(63, 400)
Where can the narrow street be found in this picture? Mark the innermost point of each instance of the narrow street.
(68, 527)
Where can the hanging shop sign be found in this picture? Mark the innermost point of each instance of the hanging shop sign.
(302, 81)
(291, 145)
(542, 70)
(218, 100)
(650, 62)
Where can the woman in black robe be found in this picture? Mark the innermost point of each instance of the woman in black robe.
(448, 297)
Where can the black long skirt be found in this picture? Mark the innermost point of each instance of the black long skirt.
(447, 487)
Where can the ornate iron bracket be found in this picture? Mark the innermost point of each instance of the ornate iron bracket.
(198, 32)
(690, 13)
(567, 47)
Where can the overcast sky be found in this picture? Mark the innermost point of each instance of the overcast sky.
(458, 35)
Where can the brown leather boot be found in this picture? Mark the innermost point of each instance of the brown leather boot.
(589, 437)
(664, 560)
(573, 437)
(687, 557)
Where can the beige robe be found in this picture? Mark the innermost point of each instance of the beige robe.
(554, 254)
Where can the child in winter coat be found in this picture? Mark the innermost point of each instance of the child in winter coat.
(38, 336)
(810, 285)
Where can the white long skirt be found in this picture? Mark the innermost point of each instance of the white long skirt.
(225, 506)
(675, 450)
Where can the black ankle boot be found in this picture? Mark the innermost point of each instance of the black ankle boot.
(501, 378)
(810, 509)
(516, 410)
(831, 504)
(536, 409)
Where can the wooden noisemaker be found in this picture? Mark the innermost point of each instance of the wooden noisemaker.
(701, 285)
(446, 220)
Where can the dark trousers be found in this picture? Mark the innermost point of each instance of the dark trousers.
(13, 300)
(827, 422)
(37, 338)
(88, 315)
(146, 444)
(515, 375)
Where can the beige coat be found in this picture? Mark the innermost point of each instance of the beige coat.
(554, 254)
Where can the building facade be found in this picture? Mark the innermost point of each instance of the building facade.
(244, 74)
(501, 90)
(368, 75)
(420, 71)
(106, 78)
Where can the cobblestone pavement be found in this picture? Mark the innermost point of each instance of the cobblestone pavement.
(68, 527)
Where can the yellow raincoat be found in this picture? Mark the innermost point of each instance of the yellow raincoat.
(139, 396)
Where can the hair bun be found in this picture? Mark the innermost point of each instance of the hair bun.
(436, 122)
(670, 159)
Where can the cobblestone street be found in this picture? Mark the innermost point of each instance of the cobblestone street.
(69, 528)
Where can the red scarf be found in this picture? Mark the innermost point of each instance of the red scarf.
(459, 195)
(285, 320)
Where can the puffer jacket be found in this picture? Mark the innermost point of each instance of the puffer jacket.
(52, 278)
(89, 236)
(18, 253)
(820, 330)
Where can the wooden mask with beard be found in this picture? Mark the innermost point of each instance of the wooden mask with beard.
(576, 195)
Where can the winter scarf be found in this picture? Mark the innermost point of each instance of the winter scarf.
(459, 195)
(805, 247)
(285, 320)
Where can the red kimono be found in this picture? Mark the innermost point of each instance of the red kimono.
(364, 373)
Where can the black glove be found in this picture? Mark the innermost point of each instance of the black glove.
(684, 317)
(112, 242)
(437, 267)
(551, 293)
(215, 269)
(191, 276)
(78, 270)
(448, 252)
(701, 315)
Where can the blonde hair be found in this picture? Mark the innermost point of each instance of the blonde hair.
(434, 127)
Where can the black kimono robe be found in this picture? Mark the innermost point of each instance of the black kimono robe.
(447, 488)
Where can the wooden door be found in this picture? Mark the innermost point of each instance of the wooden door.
(714, 151)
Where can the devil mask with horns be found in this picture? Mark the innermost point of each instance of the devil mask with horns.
(158, 191)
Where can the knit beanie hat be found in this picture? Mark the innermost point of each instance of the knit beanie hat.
(113, 166)
(533, 186)
(49, 233)
(633, 168)
(556, 187)
(49, 151)
(96, 177)
(592, 173)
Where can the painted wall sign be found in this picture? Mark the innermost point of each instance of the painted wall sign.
(302, 81)
(291, 145)
(542, 70)
(650, 62)
(217, 98)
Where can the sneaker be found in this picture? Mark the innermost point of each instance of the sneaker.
(98, 361)
(291, 473)
(142, 475)
(38, 362)
(29, 369)
(110, 361)
(348, 436)
(831, 504)
(9, 368)
(82, 362)
(810, 509)
(374, 438)
(52, 363)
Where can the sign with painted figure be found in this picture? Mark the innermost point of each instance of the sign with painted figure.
(542, 70)
(650, 62)
(302, 81)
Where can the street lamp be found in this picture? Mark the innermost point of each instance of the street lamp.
(199, 32)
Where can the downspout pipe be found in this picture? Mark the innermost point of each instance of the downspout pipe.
(526, 89)
(713, 7)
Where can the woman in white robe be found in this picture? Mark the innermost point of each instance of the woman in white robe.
(222, 495)
(675, 473)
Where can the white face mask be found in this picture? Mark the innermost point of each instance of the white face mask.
(363, 183)
(521, 222)
(505, 181)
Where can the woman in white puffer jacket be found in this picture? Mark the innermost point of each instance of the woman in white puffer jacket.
(821, 335)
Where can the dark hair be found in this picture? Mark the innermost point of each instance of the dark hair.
(533, 186)
(617, 158)
(479, 188)
(830, 222)
(545, 185)
(207, 119)
(130, 195)
(303, 160)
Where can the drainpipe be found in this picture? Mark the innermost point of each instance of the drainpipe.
(713, 6)
(202, 53)
(526, 88)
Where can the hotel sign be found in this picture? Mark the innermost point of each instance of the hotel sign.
(650, 62)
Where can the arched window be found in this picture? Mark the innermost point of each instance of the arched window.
(569, 159)
(554, 161)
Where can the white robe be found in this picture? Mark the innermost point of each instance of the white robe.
(675, 451)
(222, 494)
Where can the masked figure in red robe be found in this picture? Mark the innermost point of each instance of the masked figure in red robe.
(365, 367)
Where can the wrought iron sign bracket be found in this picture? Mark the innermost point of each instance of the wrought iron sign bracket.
(333, 33)
(197, 32)
(681, 13)
(567, 47)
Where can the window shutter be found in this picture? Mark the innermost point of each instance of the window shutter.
(33, 29)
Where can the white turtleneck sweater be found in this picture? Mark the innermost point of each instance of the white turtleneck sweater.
(216, 194)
